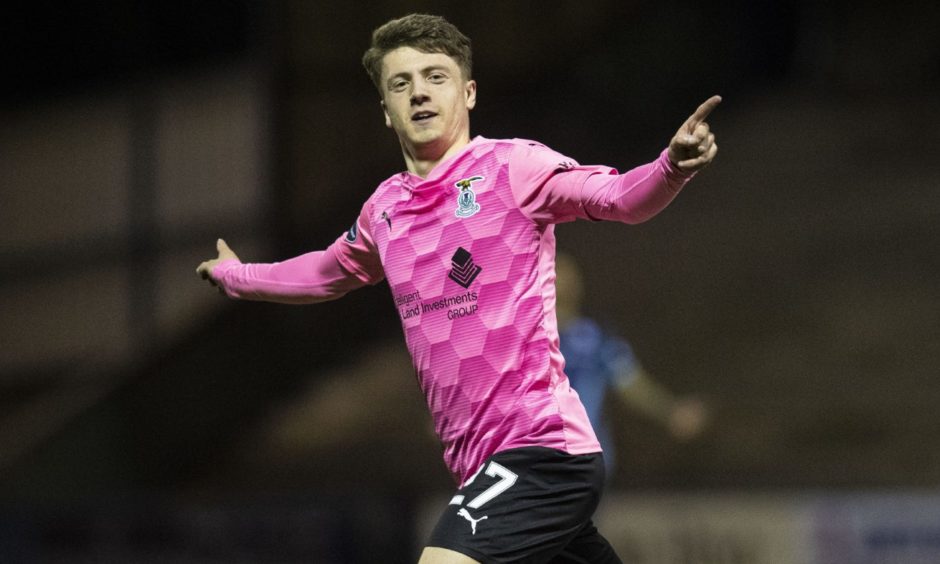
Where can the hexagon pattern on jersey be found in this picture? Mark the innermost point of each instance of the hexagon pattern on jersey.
(483, 352)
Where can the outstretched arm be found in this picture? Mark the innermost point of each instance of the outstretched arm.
(551, 188)
(310, 278)
(641, 193)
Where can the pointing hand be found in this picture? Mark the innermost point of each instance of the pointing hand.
(693, 146)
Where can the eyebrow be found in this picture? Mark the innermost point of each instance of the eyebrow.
(425, 70)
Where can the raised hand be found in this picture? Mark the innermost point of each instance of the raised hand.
(205, 268)
(693, 146)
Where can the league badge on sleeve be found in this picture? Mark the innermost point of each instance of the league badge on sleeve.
(353, 233)
(467, 199)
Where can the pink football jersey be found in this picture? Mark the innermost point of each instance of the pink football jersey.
(468, 253)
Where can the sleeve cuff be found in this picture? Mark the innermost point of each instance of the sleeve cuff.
(672, 170)
(219, 270)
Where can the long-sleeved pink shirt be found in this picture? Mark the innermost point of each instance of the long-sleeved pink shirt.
(469, 254)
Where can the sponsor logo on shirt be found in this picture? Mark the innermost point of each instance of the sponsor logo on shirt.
(466, 198)
(463, 270)
(411, 305)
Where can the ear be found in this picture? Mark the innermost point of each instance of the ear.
(388, 118)
(470, 89)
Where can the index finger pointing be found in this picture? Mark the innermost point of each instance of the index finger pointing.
(702, 112)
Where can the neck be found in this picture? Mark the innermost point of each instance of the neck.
(422, 160)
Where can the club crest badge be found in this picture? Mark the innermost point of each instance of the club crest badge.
(466, 198)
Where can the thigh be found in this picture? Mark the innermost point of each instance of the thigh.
(435, 555)
(523, 505)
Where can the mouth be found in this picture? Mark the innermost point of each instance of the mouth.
(422, 117)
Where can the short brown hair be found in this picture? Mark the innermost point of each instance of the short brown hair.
(426, 33)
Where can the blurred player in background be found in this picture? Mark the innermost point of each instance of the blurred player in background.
(465, 238)
(600, 365)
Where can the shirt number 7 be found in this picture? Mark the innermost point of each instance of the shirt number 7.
(495, 470)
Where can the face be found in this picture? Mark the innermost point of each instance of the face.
(426, 101)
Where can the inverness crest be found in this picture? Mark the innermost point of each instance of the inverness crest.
(466, 198)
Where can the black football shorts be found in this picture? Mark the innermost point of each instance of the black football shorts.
(530, 505)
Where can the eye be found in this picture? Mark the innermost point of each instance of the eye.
(398, 85)
(437, 77)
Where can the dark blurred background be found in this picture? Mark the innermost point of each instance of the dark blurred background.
(793, 285)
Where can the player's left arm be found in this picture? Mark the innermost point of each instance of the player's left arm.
(641, 193)
(553, 189)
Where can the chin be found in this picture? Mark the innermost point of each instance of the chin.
(426, 139)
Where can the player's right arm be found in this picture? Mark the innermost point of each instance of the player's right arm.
(350, 262)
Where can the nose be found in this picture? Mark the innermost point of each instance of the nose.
(419, 93)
